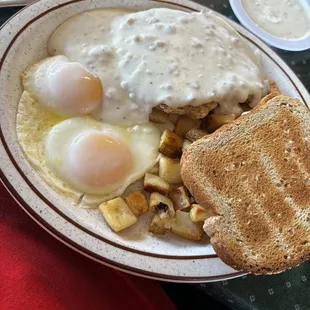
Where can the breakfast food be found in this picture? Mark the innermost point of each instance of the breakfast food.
(254, 175)
(137, 203)
(153, 183)
(185, 228)
(198, 214)
(180, 198)
(111, 211)
(120, 99)
(151, 58)
(67, 153)
(63, 87)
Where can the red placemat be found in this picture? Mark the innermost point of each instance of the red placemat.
(38, 272)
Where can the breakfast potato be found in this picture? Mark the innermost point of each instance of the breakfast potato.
(192, 200)
(137, 203)
(185, 228)
(195, 134)
(158, 116)
(170, 144)
(214, 121)
(180, 198)
(169, 170)
(161, 205)
(153, 183)
(198, 213)
(157, 225)
(155, 169)
(186, 144)
(174, 118)
(185, 124)
(117, 214)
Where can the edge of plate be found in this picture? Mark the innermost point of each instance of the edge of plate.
(77, 247)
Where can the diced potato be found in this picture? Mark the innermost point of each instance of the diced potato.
(117, 214)
(195, 134)
(186, 144)
(153, 183)
(180, 198)
(185, 124)
(155, 169)
(158, 116)
(214, 121)
(174, 117)
(212, 106)
(192, 200)
(185, 228)
(198, 213)
(170, 144)
(157, 225)
(162, 127)
(137, 203)
(161, 205)
(169, 170)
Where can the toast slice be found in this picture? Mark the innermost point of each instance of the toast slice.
(255, 175)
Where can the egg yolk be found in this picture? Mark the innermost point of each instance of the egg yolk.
(99, 160)
(75, 90)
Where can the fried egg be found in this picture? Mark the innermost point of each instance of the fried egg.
(60, 150)
(63, 87)
(99, 158)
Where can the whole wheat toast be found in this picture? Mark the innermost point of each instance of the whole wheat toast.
(255, 175)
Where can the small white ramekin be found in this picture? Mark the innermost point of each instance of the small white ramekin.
(289, 45)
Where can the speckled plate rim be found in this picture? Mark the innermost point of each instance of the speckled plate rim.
(76, 245)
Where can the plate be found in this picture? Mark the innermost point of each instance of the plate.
(289, 45)
(23, 42)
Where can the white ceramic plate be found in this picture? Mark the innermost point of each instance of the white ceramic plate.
(23, 41)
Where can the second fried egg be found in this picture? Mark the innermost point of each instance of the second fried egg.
(98, 158)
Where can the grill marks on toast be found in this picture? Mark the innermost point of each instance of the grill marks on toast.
(247, 216)
(260, 179)
(290, 157)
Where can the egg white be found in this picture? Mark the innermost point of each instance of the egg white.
(142, 141)
(35, 80)
(57, 84)
(33, 125)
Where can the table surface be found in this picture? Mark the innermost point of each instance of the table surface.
(289, 290)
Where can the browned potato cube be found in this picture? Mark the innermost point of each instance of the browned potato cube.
(174, 117)
(192, 200)
(198, 213)
(157, 225)
(137, 203)
(180, 198)
(161, 205)
(185, 228)
(170, 144)
(169, 170)
(185, 124)
(195, 134)
(214, 121)
(186, 144)
(153, 183)
(158, 116)
(155, 169)
(117, 214)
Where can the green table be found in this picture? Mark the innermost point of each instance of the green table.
(286, 291)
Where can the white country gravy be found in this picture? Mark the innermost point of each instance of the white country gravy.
(161, 56)
(285, 19)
